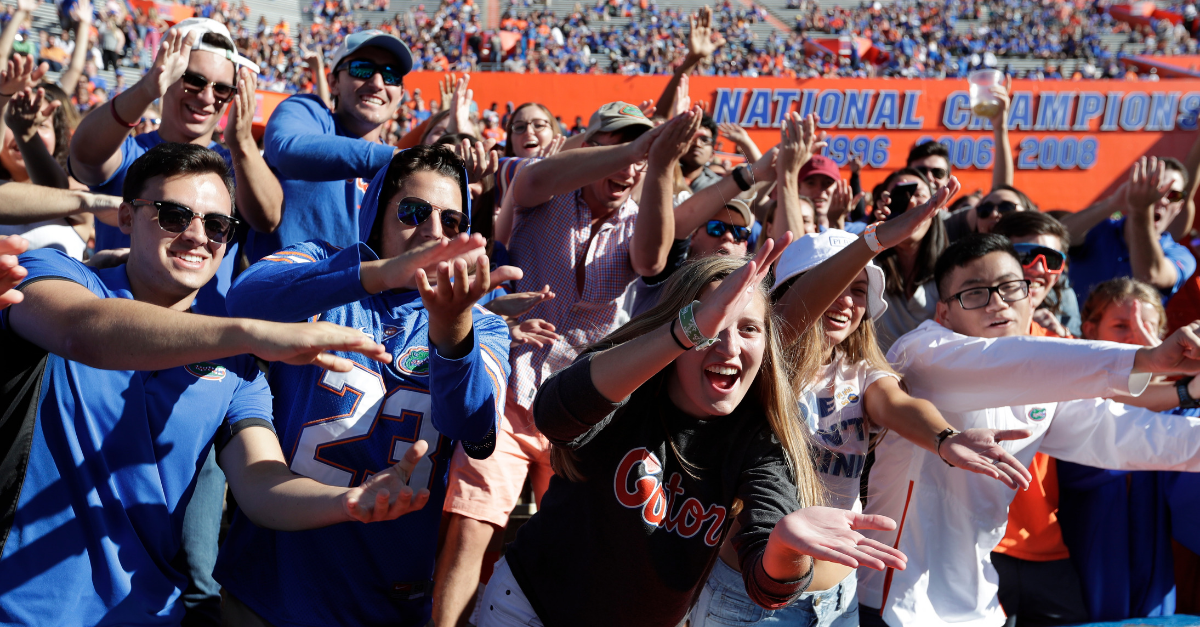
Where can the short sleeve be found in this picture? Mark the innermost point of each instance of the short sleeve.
(48, 263)
(130, 151)
(1182, 259)
(251, 405)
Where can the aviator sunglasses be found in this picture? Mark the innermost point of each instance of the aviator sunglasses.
(414, 212)
(176, 218)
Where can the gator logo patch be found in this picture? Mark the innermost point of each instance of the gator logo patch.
(632, 111)
(207, 370)
(414, 361)
(1037, 413)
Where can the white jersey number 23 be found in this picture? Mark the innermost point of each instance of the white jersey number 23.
(368, 387)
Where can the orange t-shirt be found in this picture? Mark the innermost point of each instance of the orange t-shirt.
(1033, 533)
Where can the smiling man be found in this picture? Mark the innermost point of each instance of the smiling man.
(1137, 244)
(324, 159)
(977, 365)
(115, 394)
(199, 75)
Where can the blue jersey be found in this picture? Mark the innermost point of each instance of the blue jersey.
(340, 428)
(210, 301)
(100, 466)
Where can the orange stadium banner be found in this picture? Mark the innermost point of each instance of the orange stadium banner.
(1072, 141)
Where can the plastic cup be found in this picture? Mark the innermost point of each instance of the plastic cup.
(983, 103)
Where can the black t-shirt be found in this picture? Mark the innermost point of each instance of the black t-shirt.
(633, 543)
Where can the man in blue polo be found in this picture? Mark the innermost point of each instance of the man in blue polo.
(324, 159)
(1137, 244)
(114, 393)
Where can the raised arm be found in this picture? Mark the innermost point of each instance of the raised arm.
(27, 112)
(1081, 222)
(82, 14)
(702, 42)
(800, 142)
(741, 138)
(259, 195)
(655, 229)
(814, 291)
(1182, 224)
(1002, 167)
(68, 320)
(316, 65)
(1146, 188)
(9, 35)
(570, 170)
(297, 148)
(692, 213)
(96, 144)
(22, 203)
(618, 371)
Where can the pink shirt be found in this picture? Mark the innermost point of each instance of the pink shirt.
(548, 243)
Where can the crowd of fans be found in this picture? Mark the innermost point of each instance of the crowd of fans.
(912, 40)
(690, 362)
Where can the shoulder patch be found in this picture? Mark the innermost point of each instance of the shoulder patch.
(414, 361)
(207, 370)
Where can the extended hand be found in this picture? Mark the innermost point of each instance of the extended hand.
(799, 142)
(308, 343)
(978, 450)
(241, 116)
(22, 73)
(1179, 353)
(892, 232)
(27, 112)
(11, 273)
(386, 495)
(170, 63)
(1148, 183)
(535, 331)
(449, 303)
(831, 535)
(724, 305)
(481, 160)
(401, 271)
(517, 305)
(674, 140)
(702, 41)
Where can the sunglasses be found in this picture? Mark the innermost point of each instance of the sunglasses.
(364, 70)
(194, 83)
(176, 218)
(979, 297)
(537, 125)
(414, 212)
(1175, 195)
(716, 228)
(1030, 254)
(986, 209)
(933, 173)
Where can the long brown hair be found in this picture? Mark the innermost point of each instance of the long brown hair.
(770, 391)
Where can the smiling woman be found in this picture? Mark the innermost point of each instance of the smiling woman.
(662, 431)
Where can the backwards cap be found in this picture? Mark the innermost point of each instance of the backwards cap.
(203, 26)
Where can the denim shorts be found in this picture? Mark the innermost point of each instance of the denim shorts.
(724, 602)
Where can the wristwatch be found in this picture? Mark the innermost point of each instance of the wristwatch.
(739, 177)
(941, 437)
(1185, 399)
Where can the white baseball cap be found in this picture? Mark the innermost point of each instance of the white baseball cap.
(808, 251)
(202, 26)
(377, 39)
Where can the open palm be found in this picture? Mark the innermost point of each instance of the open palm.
(831, 535)
(725, 304)
(386, 495)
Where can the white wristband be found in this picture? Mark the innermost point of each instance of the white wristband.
(872, 239)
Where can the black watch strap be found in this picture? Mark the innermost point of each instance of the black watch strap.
(941, 437)
(1185, 399)
(739, 177)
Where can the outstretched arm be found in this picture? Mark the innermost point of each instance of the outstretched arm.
(919, 422)
(272, 496)
(618, 371)
(27, 112)
(82, 13)
(22, 203)
(814, 291)
(570, 170)
(1002, 169)
(702, 43)
(1182, 224)
(656, 212)
(68, 320)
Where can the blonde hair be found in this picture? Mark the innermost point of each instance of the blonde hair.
(1117, 290)
(770, 390)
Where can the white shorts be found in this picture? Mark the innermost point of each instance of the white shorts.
(504, 604)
